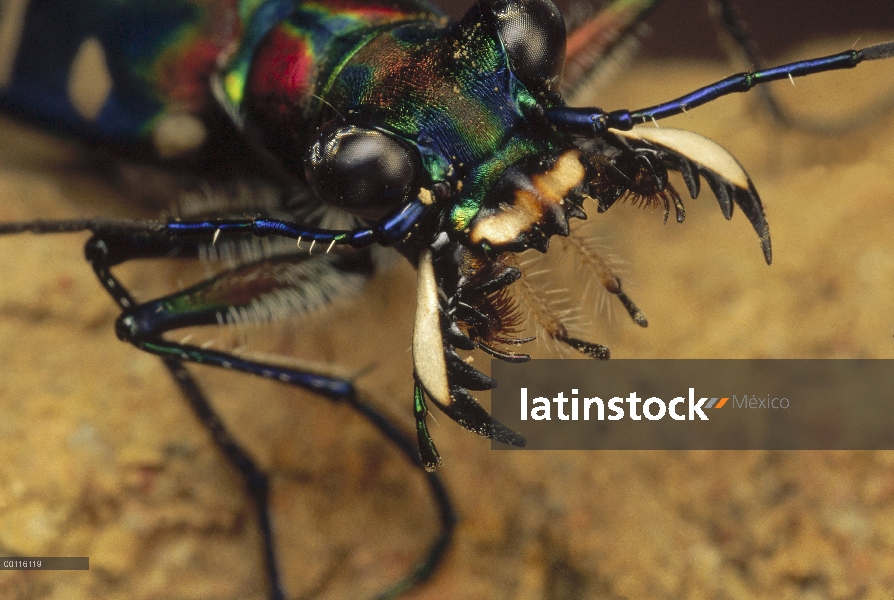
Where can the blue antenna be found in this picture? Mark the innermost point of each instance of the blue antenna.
(589, 121)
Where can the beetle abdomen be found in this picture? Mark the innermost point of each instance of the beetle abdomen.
(113, 70)
(145, 72)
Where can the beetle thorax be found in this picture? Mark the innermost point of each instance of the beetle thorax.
(448, 91)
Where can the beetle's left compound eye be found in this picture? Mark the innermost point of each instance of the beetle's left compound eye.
(533, 33)
(365, 172)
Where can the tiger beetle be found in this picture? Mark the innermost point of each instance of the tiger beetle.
(376, 124)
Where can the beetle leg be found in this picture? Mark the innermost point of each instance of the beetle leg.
(337, 390)
(256, 481)
(182, 238)
(729, 18)
(209, 302)
(597, 40)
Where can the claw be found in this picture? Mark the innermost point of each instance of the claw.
(690, 176)
(722, 193)
(466, 411)
(511, 357)
(505, 277)
(574, 211)
(454, 336)
(466, 375)
(678, 206)
(726, 177)
(750, 204)
(597, 351)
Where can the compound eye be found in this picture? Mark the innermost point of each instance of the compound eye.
(533, 33)
(365, 172)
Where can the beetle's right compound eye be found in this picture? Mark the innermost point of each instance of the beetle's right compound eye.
(365, 172)
(533, 33)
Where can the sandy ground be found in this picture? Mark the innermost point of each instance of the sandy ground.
(100, 457)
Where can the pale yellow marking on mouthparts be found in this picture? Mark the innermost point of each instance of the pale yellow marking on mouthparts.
(697, 148)
(425, 196)
(428, 345)
(566, 174)
(529, 206)
(89, 80)
(177, 134)
(509, 222)
(12, 22)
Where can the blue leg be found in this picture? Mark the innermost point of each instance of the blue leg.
(142, 239)
(144, 324)
(593, 43)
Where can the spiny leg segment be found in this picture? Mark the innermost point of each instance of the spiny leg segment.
(118, 241)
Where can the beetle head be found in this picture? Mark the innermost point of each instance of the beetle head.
(451, 116)
(468, 120)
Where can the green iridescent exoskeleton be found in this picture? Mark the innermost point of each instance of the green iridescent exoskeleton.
(453, 95)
